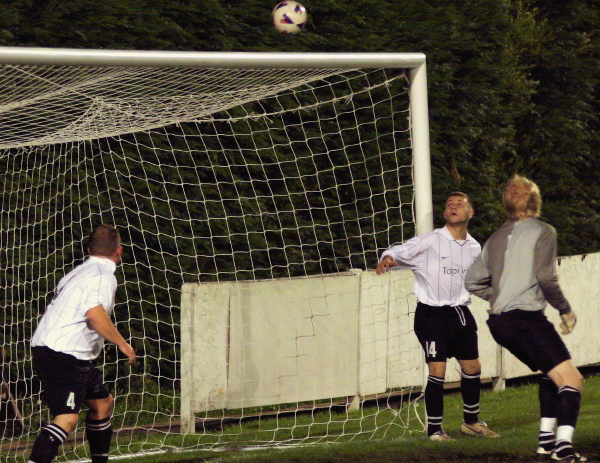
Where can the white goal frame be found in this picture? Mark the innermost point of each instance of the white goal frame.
(418, 130)
(416, 62)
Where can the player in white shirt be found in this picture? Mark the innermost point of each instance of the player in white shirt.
(444, 324)
(68, 338)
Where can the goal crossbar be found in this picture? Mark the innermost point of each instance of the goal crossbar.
(144, 58)
(414, 62)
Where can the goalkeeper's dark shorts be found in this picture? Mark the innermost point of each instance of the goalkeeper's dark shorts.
(530, 337)
(446, 332)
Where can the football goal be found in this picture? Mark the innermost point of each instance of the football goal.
(254, 193)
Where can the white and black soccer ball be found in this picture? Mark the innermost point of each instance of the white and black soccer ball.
(289, 17)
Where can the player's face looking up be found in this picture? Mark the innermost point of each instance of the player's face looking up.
(457, 210)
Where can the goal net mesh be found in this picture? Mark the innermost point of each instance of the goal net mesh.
(212, 176)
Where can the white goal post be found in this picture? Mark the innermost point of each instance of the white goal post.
(253, 192)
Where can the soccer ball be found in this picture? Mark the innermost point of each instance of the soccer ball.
(289, 17)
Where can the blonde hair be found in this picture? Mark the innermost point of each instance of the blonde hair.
(522, 198)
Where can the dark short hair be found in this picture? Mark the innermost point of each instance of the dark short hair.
(462, 195)
(103, 241)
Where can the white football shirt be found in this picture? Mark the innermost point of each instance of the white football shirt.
(439, 263)
(64, 327)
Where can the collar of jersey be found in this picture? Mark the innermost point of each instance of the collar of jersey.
(103, 261)
(444, 231)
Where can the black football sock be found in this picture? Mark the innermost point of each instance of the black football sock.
(470, 388)
(99, 434)
(567, 411)
(434, 403)
(47, 443)
(548, 395)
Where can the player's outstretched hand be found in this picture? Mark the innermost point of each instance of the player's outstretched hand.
(569, 320)
(128, 351)
(385, 263)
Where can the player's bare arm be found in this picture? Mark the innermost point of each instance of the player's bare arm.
(385, 263)
(103, 325)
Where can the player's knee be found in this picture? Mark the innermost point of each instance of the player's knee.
(437, 369)
(109, 402)
(68, 422)
(471, 367)
(105, 407)
(100, 408)
(566, 374)
(577, 381)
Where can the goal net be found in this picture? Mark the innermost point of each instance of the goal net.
(253, 193)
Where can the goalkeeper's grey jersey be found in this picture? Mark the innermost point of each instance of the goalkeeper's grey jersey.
(517, 269)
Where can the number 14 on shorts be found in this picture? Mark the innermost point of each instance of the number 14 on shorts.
(430, 349)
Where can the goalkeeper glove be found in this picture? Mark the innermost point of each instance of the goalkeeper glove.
(568, 322)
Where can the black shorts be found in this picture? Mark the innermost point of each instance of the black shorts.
(446, 332)
(530, 337)
(67, 382)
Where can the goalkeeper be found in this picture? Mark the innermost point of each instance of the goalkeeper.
(516, 273)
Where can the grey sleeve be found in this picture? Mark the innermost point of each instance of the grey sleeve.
(478, 279)
(544, 262)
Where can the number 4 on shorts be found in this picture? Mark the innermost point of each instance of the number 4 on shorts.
(430, 349)
(71, 400)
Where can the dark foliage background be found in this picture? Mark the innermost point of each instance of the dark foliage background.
(513, 84)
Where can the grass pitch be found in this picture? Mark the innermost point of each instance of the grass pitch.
(513, 413)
